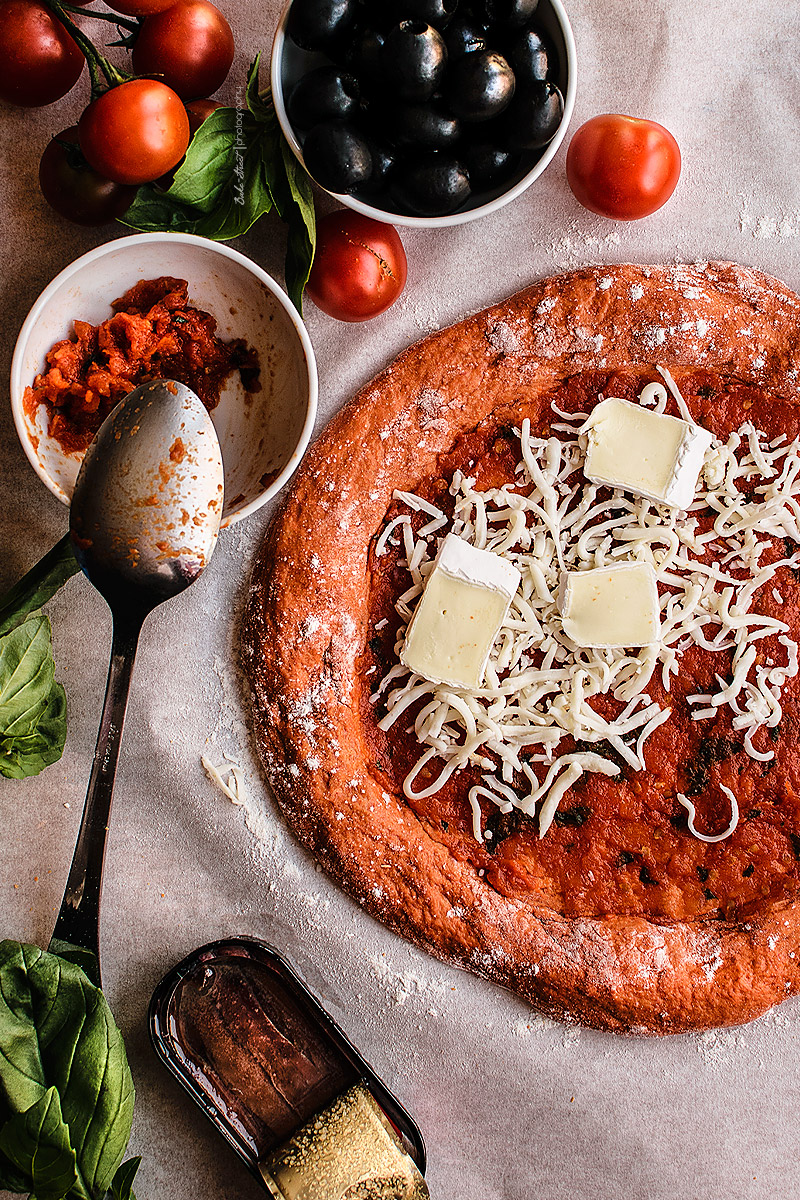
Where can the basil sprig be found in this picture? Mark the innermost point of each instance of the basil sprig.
(39, 585)
(237, 168)
(33, 709)
(66, 1092)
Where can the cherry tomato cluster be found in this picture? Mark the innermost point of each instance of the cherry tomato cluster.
(136, 128)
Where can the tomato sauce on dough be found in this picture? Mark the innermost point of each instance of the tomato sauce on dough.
(619, 845)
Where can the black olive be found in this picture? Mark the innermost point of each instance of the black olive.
(383, 163)
(464, 35)
(435, 12)
(509, 14)
(363, 56)
(377, 14)
(479, 86)
(316, 24)
(414, 59)
(424, 125)
(532, 118)
(337, 155)
(532, 57)
(487, 165)
(431, 186)
(324, 94)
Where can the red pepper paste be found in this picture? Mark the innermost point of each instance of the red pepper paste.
(154, 334)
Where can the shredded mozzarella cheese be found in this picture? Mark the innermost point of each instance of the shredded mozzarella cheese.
(718, 837)
(228, 777)
(539, 685)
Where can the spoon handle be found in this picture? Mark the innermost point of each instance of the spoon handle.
(76, 933)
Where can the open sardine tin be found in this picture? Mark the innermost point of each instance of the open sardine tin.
(280, 1081)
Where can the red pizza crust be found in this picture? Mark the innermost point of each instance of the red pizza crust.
(307, 621)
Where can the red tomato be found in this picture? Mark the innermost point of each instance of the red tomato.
(39, 61)
(134, 132)
(139, 8)
(623, 167)
(190, 47)
(74, 189)
(198, 111)
(359, 267)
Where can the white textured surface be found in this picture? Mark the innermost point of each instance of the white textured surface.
(511, 1106)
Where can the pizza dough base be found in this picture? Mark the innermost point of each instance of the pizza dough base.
(306, 623)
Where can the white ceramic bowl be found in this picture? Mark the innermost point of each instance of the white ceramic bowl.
(262, 435)
(289, 63)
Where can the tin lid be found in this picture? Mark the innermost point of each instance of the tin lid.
(254, 1048)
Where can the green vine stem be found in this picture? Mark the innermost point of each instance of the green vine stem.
(128, 23)
(103, 74)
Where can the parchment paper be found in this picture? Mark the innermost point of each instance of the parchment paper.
(511, 1106)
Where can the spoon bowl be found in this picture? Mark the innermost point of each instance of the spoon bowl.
(148, 498)
(144, 522)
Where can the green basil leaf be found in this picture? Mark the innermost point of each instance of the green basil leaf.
(229, 219)
(223, 197)
(39, 585)
(302, 241)
(38, 1144)
(122, 1183)
(12, 1180)
(247, 200)
(206, 170)
(26, 676)
(21, 757)
(152, 211)
(260, 105)
(57, 1031)
(87, 960)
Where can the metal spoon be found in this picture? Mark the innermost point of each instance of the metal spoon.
(144, 521)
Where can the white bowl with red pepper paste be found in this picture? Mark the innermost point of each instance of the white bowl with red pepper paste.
(237, 339)
(424, 113)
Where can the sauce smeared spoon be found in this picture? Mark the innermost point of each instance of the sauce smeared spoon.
(143, 521)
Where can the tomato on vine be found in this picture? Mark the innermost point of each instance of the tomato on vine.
(189, 46)
(39, 60)
(135, 132)
(74, 189)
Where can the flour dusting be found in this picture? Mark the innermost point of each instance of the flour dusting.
(769, 226)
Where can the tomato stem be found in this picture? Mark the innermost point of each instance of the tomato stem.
(103, 74)
(129, 23)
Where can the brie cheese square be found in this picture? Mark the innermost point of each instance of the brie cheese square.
(611, 608)
(465, 601)
(647, 453)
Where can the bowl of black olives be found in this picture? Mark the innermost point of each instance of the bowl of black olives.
(424, 112)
